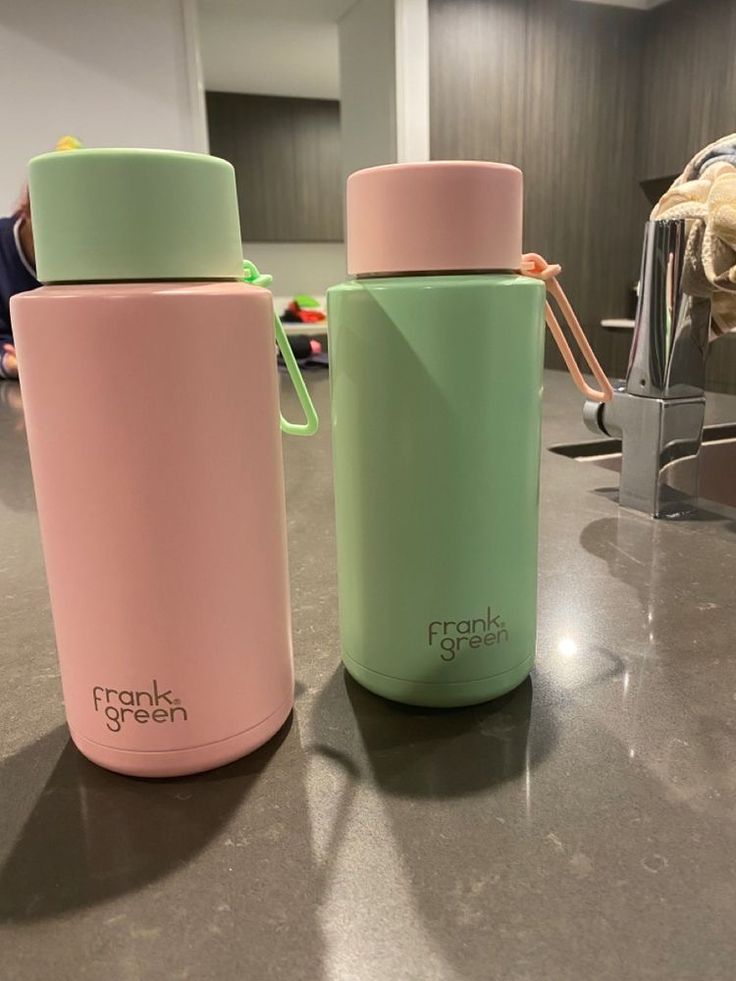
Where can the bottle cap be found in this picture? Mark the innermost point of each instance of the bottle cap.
(102, 215)
(431, 217)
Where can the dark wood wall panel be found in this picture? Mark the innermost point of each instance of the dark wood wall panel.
(286, 154)
(688, 82)
(552, 86)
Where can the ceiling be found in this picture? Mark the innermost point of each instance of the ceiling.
(271, 47)
(294, 10)
(333, 10)
(284, 47)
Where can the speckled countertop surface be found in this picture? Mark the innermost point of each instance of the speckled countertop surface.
(581, 828)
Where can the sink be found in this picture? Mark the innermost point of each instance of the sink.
(717, 460)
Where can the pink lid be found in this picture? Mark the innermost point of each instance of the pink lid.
(445, 215)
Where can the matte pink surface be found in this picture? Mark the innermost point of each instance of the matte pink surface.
(153, 424)
(444, 215)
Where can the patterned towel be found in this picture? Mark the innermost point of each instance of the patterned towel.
(705, 194)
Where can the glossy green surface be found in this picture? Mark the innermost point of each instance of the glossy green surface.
(436, 387)
(102, 215)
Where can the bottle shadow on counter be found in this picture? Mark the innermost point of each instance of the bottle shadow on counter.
(442, 753)
(92, 835)
(452, 797)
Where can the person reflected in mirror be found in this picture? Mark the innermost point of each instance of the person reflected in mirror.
(17, 275)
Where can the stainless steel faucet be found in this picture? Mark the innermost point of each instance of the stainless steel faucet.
(658, 410)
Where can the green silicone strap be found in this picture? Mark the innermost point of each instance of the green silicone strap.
(308, 428)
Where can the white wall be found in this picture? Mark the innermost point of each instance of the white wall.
(384, 83)
(412, 80)
(299, 267)
(368, 84)
(110, 72)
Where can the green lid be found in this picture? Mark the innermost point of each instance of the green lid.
(105, 215)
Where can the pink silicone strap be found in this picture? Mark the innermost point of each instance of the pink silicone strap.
(538, 268)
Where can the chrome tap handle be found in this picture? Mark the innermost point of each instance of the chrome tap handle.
(670, 343)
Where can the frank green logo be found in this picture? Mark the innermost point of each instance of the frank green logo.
(454, 637)
(124, 705)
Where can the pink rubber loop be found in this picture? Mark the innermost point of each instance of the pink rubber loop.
(538, 268)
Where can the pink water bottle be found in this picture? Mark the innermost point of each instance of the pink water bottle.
(150, 390)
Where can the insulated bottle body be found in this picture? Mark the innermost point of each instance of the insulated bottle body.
(153, 426)
(436, 389)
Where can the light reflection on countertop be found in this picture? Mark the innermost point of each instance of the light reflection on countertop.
(580, 828)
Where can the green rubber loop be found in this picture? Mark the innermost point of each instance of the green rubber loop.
(309, 428)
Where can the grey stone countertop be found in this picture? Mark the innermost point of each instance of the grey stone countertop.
(582, 827)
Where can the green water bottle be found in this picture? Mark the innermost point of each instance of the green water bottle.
(436, 350)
